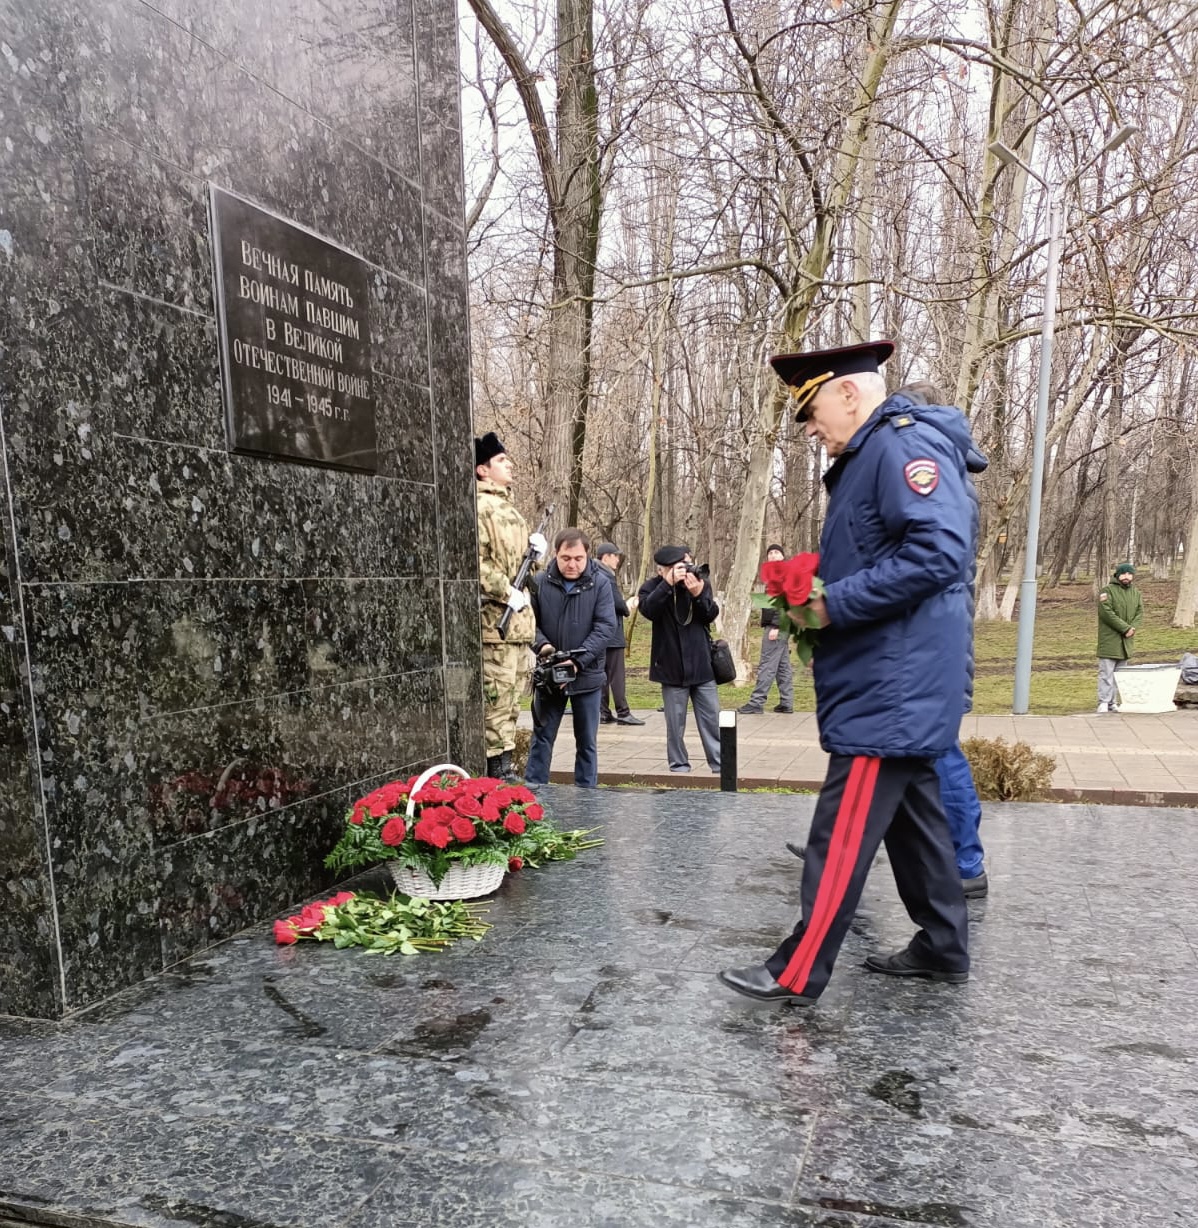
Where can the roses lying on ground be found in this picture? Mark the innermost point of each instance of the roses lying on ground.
(309, 919)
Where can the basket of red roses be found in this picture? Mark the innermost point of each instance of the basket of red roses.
(444, 834)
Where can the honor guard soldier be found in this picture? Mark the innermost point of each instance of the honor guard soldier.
(503, 540)
(889, 669)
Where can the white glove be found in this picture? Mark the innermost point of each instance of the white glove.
(517, 598)
(540, 543)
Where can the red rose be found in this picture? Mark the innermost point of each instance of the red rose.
(285, 933)
(439, 814)
(773, 572)
(378, 806)
(535, 812)
(357, 814)
(515, 824)
(393, 832)
(471, 807)
(485, 783)
(491, 812)
(521, 794)
(463, 829)
(393, 793)
(503, 797)
(515, 863)
(311, 918)
(800, 572)
(342, 897)
(432, 832)
(431, 793)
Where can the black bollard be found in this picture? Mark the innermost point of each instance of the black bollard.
(728, 771)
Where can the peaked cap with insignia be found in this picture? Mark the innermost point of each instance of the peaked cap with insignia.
(807, 373)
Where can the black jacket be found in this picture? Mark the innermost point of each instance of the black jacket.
(680, 654)
(579, 622)
(617, 638)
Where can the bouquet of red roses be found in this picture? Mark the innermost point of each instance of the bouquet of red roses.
(478, 821)
(790, 585)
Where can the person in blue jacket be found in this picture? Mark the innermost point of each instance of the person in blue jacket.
(957, 790)
(575, 613)
(889, 669)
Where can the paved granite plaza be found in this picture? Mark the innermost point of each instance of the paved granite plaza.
(581, 1065)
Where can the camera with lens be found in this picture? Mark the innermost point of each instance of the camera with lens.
(553, 671)
(702, 570)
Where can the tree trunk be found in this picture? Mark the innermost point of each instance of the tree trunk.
(1187, 595)
(808, 278)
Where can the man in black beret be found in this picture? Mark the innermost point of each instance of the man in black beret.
(503, 539)
(681, 606)
(889, 669)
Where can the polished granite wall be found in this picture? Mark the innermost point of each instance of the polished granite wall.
(206, 656)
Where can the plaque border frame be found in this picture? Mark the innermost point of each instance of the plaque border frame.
(220, 317)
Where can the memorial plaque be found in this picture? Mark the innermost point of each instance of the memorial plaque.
(291, 309)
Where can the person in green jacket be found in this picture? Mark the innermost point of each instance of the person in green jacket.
(1120, 609)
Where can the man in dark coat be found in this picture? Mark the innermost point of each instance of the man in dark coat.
(775, 658)
(608, 557)
(681, 606)
(575, 614)
(895, 561)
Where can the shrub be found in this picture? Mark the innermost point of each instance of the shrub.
(1008, 771)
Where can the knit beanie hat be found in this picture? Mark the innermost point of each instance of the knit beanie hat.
(1124, 569)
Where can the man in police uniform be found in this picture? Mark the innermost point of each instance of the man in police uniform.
(503, 539)
(889, 669)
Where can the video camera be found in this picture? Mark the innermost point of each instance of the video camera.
(553, 671)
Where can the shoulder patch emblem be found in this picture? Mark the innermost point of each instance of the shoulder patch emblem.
(923, 475)
(903, 421)
(1104, 596)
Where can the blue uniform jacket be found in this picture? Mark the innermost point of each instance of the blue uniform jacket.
(896, 555)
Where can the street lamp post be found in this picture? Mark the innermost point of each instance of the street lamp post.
(1056, 234)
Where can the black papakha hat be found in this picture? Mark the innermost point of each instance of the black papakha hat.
(807, 373)
(775, 546)
(487, 448)
(667, 556)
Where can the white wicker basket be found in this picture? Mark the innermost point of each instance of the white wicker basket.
(461, 882)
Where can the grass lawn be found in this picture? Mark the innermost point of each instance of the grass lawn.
(1064, 663)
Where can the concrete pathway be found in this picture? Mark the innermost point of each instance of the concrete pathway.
(1115, 758)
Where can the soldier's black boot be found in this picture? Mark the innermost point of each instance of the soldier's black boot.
(507, 769)
(495, 766)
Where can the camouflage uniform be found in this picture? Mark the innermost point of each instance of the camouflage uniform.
(502, 542)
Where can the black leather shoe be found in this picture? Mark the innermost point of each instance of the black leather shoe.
(629, 720)
(975, 888)
(607, 720)
(493, 769)
(755, 981)
(780, 708)
(749, 710)
(799, 850)
(903, 963)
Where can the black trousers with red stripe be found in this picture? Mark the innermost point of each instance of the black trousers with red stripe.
(862, 803)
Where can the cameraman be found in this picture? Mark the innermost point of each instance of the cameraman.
(575, 617)
(680, 604)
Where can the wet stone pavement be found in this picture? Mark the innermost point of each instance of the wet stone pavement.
(581, 1065)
